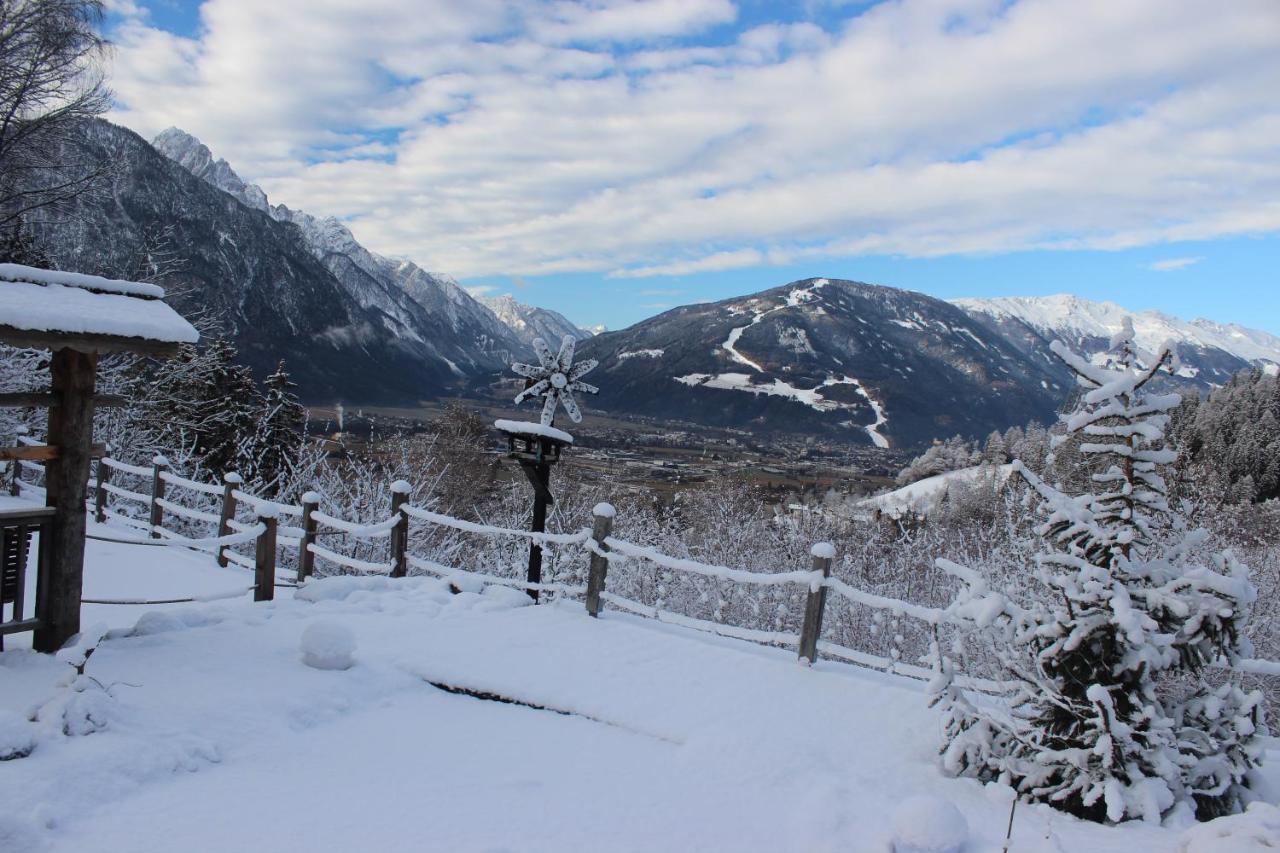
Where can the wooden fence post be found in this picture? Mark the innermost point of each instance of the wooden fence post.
(823, 554)
(400, 490)
(15, 467)
(306, 559)
(264, 564)
(230, 482)
(100, 492)
(601, 526)
(158, 466)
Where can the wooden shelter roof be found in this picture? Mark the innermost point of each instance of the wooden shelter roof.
(54, 310)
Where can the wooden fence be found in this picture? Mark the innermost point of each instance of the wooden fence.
(236, 518)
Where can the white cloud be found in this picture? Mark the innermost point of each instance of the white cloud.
(1171, 264)
(519, 138)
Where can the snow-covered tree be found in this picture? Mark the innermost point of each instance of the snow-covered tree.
(274, 446)
(1125, 615)
(943, 456)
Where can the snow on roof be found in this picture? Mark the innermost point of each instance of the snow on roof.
(527, 428)
(53, 302)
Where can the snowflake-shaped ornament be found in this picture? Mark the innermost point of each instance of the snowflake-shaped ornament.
(556, 379)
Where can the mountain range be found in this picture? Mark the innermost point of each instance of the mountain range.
(1208, 352)
(857, 362)
(865, 363)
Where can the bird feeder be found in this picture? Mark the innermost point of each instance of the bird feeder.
(535, 447)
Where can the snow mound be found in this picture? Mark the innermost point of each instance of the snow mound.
(339, 587)
(328, 645)
(1258, 829)
(928, 825)
(16, 737)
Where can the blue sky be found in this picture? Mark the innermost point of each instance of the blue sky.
(611, 158)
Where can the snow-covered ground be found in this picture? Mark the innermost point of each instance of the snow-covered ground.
(921, 495)
(220, 737)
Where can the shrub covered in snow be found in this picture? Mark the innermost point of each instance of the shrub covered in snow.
(1125, 619)
(328, 645)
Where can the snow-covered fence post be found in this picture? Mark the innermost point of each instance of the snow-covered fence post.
(230, 481)
(307, 559)
(400, 490)
(823, 553)
(158, 466)
(100, 491)
(601, 527)
(264, 563)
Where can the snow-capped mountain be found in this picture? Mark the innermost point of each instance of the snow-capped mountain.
(1210, 352)
(872, 364)
(530, 321)
(344, 332)
(427, 308)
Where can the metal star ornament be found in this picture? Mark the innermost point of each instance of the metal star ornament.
(556, 378)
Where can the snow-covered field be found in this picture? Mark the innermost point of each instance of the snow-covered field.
(921, 495)
(220, 737)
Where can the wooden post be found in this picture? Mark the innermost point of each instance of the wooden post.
(230, 482)
(541, 499)
(400, 533)
(823, 553)
(158, 466)
(66, 485)
(603, 515)
(306, 559)
(100, 492)
(15, 469)
(264, 564)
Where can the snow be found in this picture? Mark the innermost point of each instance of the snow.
(795, 298)
(529, 428)
(731, 344)
(327, 644)
(823, 550)
(922, 494)
(35, 275)
(17, 737)
(641, 353)
(811, 397)
(1066, 314)
(215, 735)
(75, 310)
(604, 510)
(1255, 831)
(928, 825)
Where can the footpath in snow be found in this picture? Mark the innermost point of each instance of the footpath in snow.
(632, 735)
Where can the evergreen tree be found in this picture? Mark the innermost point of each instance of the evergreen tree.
(227, 408)
(1095, 728)
(278, 438)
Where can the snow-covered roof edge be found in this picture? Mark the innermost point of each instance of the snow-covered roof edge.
(527, 428)
(97, 284)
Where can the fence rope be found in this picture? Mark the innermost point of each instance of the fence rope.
(183, 542)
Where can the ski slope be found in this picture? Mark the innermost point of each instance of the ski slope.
(645, 736)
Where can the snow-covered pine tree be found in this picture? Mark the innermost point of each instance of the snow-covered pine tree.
(274, 447)
(1095, 726)
(227, 406)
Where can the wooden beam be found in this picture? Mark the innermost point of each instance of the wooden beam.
(66, 477)
(45, 400)
(43, 452)
(85, 343)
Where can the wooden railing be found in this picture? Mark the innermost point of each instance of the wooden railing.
(236, 518)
